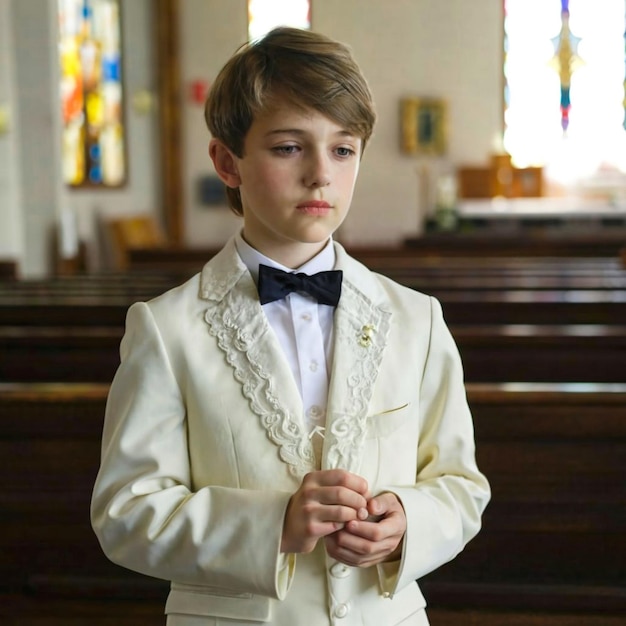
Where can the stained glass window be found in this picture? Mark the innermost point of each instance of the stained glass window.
(263, 15)
(565, 76)
(91, 93)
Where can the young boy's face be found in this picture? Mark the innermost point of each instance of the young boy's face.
(297, 178)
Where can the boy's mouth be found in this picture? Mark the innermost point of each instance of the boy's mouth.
(314, 207)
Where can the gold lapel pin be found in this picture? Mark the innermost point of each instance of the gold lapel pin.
(365, 338)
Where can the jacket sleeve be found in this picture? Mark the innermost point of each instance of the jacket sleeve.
(444, 507)
(144, 511)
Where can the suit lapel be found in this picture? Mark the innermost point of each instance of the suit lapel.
(361, 328)
(235, 318)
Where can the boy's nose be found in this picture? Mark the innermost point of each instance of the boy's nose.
(318, 173)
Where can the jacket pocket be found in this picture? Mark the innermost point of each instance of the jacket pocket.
(387, 421)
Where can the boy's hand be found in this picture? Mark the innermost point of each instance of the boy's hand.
(323, 503)
(375, 540)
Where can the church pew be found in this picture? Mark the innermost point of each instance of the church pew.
(487, 273)
(8, 269)
(177, 264)
(552, 536)
(390, 259)
(59, 353)
(542, 353)
(451, 273)
(461, 306)
(531, 306)
(500, 246)
(600, 244)
(72, 328)
(49, 455)
(169, 258)
(491, 353)
(406, 258)
(94, 300)
(463, 281)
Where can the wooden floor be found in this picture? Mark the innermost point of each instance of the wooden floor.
(24, 611)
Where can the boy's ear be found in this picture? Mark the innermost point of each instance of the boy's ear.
(225, 163)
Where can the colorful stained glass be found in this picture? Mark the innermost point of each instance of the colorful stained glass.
(93, 137)
(565, 80)
(263, 15)
(566, 61)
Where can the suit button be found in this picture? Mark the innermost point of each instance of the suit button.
(339, 570)
(341, 610)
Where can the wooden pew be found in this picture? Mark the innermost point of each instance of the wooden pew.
(8, 269)
(469, 277)
(95, 300)
(489, 273)
(599, 244)
(552, 536)
(48, 456)
(532, 306)
(59, 353)
(56, 306)
(481, 273)
(429, 282)
(490, 353)
(190, 260)
(69, 329)
(553, 533)
(542, 353)
(170, 258)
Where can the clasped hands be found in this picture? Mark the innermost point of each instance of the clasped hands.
(358, 529)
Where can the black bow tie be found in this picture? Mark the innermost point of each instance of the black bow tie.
(274, 284)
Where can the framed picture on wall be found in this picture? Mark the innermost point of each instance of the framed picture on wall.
(423, 126)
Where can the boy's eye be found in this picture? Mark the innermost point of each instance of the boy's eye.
(285, 149)
(344, 151)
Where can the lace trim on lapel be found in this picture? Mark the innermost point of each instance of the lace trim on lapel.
(348, 425)
(238, 330)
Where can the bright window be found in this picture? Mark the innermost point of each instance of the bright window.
(263, 15)
(564, 88)
(91, 93)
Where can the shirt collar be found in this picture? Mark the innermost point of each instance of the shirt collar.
(252, 258)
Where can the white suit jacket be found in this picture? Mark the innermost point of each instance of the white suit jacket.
(204, 442)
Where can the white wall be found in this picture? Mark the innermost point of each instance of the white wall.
(34, 85)
(210, 31)
(11, 242)
(449, 49)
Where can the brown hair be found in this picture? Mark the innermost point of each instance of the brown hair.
(306, 68)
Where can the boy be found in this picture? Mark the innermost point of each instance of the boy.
(286, 458)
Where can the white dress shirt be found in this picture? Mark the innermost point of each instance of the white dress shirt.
(304, 330)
